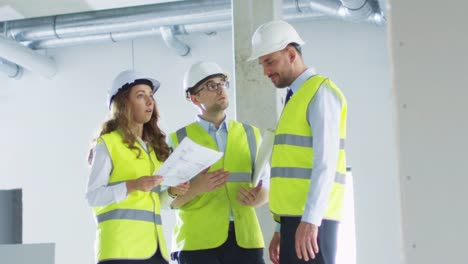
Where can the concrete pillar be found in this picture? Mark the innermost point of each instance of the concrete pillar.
(257, 100)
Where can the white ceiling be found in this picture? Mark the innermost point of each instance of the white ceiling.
(18, 9)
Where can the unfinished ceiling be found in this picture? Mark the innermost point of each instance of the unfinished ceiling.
(20, 37)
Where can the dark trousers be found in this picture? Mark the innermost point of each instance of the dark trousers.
(327, 237)
(227, 253)
(155, 259)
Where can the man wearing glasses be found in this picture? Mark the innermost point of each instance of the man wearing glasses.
(216, 221)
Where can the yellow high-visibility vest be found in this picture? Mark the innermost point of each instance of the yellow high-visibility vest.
(293, 155)
(203, 222)
(131, 228)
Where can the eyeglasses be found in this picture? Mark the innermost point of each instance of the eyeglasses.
(212, 86)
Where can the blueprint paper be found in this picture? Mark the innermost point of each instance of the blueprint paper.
(187, 160)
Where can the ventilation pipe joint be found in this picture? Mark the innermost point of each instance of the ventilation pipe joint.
(168, 35)
(12, 70)
(350, 10)
(27, 58)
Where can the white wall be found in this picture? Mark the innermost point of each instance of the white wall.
(47, 126)
(355, 56)
(429, 47)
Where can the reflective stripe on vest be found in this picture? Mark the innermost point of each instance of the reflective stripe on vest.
(156, 189)
(301, 141)
(130, 214)
(252, 144)
(301, 173)
(203, 222)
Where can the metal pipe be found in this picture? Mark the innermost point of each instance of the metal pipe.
(351, 10)
(119, 20)
(11, 69)
(185, 17)
(210, 27)
(27, 58)
(116, 37)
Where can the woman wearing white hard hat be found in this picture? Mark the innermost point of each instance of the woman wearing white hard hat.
(125, 195)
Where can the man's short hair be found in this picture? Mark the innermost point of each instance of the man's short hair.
(297, 47)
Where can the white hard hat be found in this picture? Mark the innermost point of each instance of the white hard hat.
(273, 36)
(200, 72)
(128, 77)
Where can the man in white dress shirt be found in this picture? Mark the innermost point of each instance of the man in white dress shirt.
(308, 162)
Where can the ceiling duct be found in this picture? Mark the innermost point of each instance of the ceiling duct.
(27, 58)
(120, 20)
(133, 22)
(165, 19)
(351, 10)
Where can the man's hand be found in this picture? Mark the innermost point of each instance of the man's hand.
(180, 189)
(204, 182)
(209, 181)
(144, 183)
(274, 248)
(249, 196)
(306, 241)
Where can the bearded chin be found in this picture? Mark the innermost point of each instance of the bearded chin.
(281, 84)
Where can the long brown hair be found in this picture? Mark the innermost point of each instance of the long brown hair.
(120, 119)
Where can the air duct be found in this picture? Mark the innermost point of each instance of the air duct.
(351, 10)
(293, 11)
(120, 20)
(116, 37)
(27, 58)
(132, 22)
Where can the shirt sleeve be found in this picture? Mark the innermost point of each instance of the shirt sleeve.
(324, 115)
(99, 192)
(166, 199)
(265, 176)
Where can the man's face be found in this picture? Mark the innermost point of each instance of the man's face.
(278, 67)
(211, 95)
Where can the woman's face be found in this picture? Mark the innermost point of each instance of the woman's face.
(141, 103)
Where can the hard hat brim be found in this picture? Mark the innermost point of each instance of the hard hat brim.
(221, 74)
(281, 47)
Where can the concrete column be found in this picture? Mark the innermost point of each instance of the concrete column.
(257, 101)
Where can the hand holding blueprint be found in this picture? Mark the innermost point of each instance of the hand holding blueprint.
(264, 154)
(187, 160)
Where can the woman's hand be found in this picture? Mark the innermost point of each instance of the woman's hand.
(144, 183)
